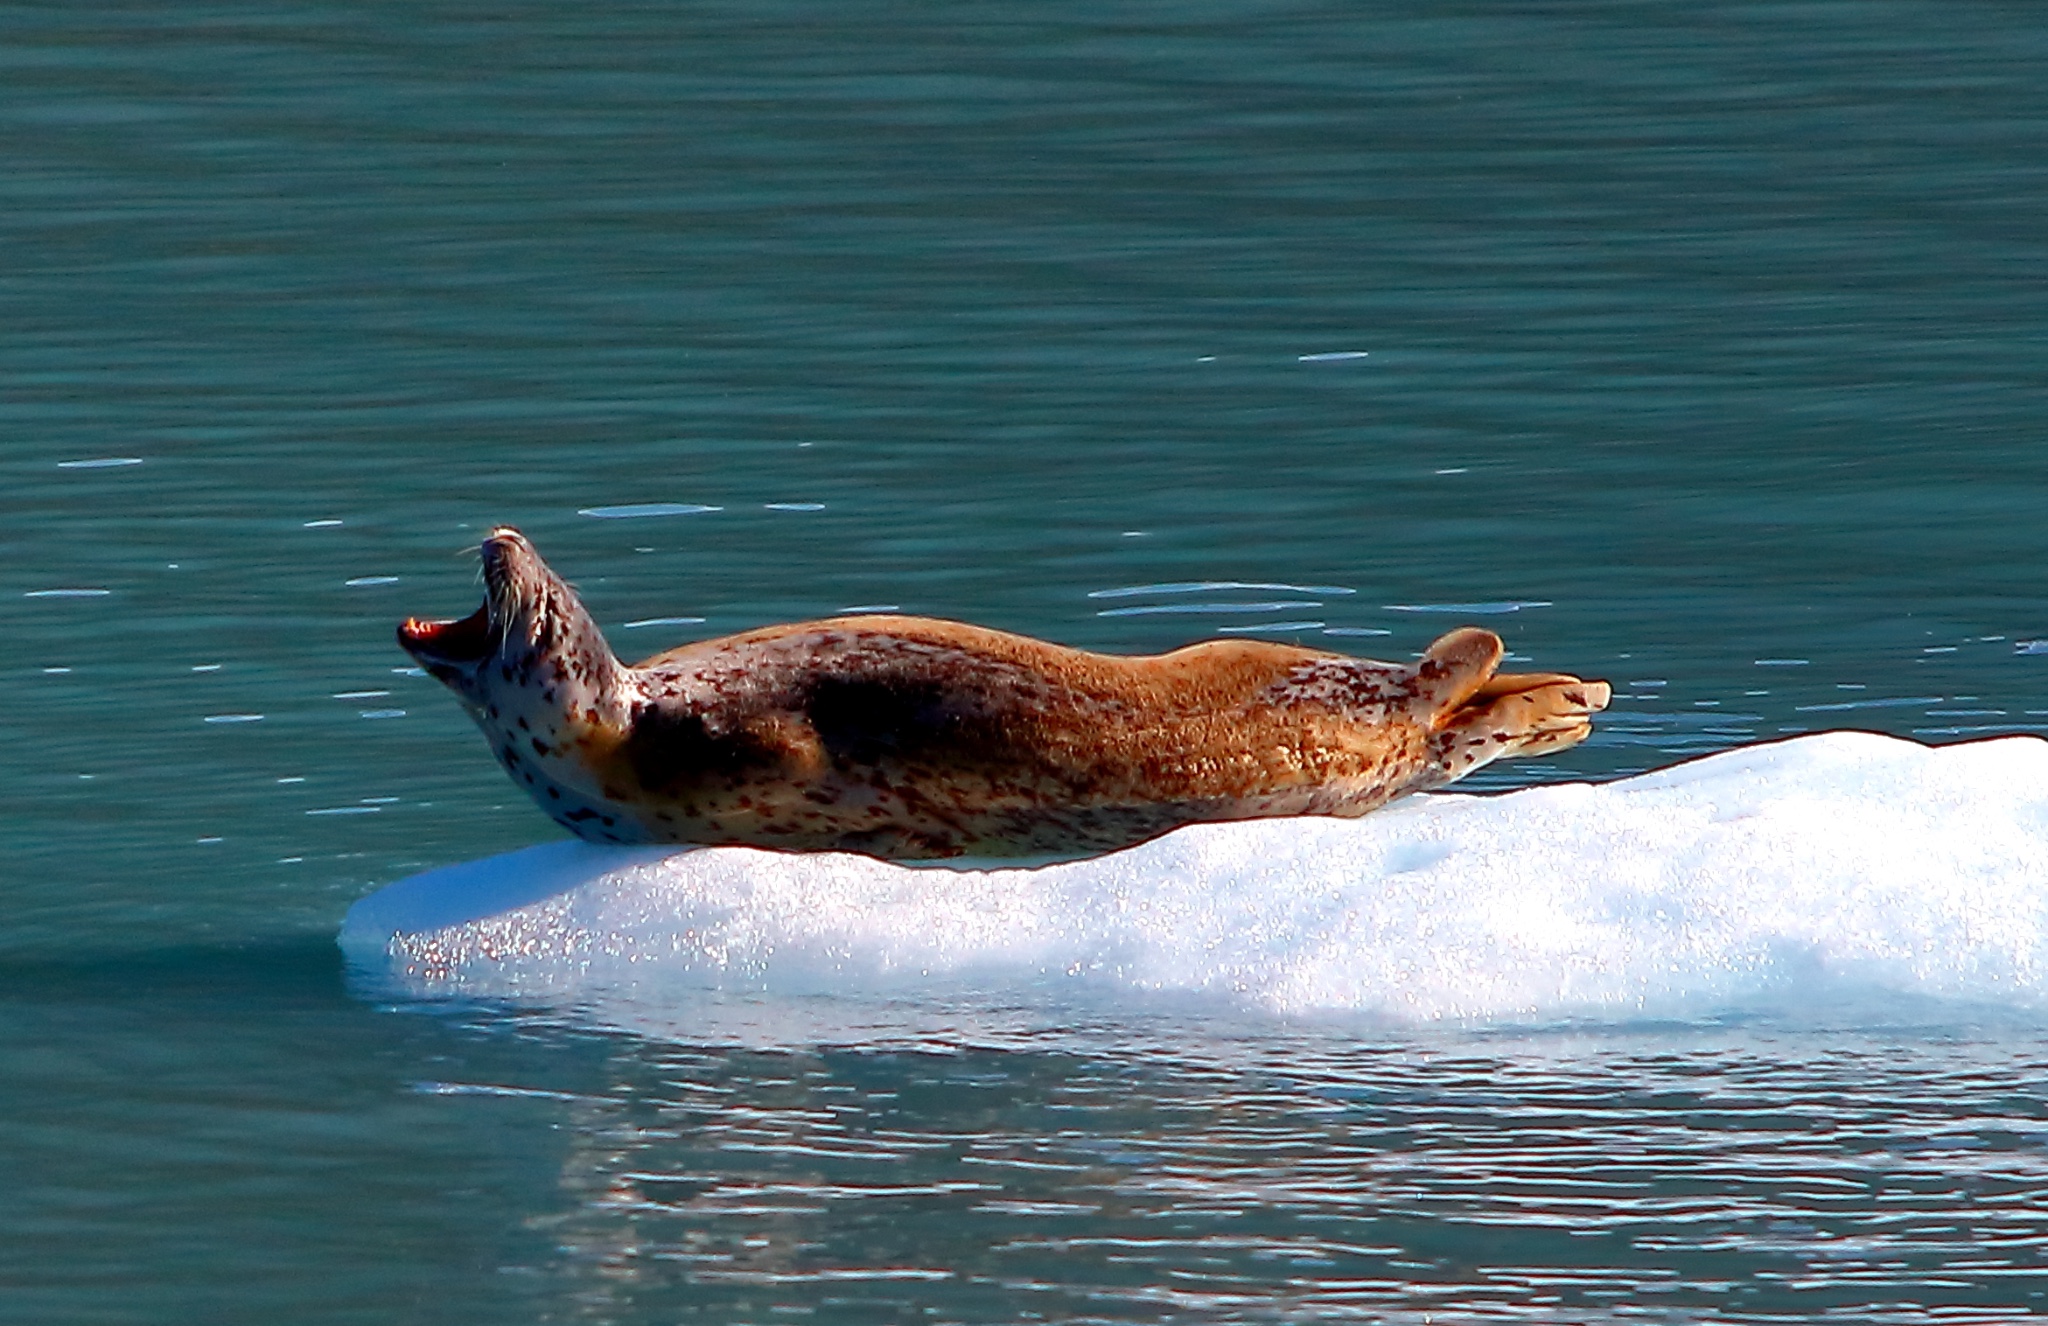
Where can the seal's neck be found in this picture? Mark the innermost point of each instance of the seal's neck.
(568, 656)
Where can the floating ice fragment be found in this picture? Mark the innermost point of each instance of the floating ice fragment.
(793, 506)
(360, 581)
(1332, 356)
(234, 718)
(67, 593)
(101, 463)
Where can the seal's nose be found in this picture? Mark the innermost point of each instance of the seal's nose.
(504, 548)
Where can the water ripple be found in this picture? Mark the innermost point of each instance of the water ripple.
(1213, 586)
(642, 510)
(1153, 609)
(1781, 1177)
(660, 621)
(1488, 608)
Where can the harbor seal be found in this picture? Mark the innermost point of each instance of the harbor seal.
(911, 738)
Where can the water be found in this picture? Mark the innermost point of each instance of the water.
(1712, 342)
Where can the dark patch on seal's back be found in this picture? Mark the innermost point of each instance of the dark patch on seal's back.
(666, 747)
(865, 720)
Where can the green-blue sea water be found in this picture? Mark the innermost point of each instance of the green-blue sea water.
(1703, 348)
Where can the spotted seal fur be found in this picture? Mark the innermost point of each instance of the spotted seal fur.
(912, 738)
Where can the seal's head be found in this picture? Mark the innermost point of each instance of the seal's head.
(537, 676)
(530, 649)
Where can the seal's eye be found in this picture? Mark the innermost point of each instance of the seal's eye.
(464, 641)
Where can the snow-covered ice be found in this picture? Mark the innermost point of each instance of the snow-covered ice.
(1845, 859)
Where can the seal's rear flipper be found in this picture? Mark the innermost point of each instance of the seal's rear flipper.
(1514, 715)
(1453, 670)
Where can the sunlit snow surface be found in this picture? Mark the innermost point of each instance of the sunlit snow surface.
(1843, 861)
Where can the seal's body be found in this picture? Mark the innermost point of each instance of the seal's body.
(910, 738)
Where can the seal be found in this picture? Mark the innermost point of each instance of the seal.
(911, 738)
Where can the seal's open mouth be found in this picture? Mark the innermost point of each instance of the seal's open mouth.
(515, 581)
(469, 640)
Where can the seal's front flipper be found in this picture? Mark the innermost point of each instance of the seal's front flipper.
(1514, 715)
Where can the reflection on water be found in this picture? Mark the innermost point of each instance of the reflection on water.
(1116, 1174)
(1881, 1162)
